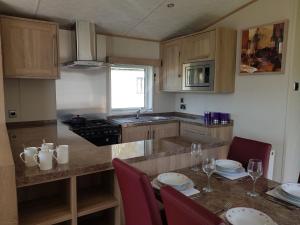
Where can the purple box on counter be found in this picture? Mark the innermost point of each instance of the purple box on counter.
(207, 118)
(224, 118)
(216, 118)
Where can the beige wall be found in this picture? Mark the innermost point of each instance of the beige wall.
(32, 99)
(259, 103)
(292, 142)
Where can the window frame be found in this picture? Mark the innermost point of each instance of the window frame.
(148, 84)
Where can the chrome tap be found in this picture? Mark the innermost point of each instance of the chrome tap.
(138, 113)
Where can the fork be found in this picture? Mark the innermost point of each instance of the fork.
(227, 206)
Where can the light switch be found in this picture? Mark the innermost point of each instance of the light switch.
(296, 86)
(12, 114)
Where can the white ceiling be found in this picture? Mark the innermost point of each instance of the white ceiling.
(149, 19)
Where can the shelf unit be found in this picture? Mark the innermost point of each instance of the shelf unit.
(71, 201)
(95, 192)
(43, 204)
(105, 217)
(93, 201)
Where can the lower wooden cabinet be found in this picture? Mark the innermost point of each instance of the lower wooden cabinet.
(157, 131)
(196, 131)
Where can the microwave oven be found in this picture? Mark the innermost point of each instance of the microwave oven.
(198, 76)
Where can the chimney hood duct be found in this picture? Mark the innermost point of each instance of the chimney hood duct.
(86, 49)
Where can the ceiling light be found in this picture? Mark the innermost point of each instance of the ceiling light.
(170, 5)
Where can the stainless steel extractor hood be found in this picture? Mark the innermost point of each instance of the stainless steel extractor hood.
(86, 49)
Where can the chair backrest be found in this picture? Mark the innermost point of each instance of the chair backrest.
(242, 149)
(183, 210)
(140, 205)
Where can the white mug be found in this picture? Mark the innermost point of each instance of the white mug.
(62, 154)
(47, 146)
(45, 160)
(28, 153)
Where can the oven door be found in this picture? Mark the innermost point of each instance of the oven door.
(104, 140)
(198, 76)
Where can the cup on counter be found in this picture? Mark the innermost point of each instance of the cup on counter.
(28, 153)
(47, 146)
(215, 117)
(62, 154)
(224, 118)
(44, 160)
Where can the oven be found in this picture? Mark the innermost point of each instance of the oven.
(198, 76)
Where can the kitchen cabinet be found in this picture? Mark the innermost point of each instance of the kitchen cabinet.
(135, 133)
(30, 48)
(196, 131)
(218, 44)
(164, 130)
(145, 132)
(199, 47)
(171, 69)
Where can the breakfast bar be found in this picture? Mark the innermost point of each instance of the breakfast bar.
(86, 188)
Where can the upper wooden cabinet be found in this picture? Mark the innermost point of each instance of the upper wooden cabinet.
(30, 48)
(199, 47)
(218, 44)
(171, 66)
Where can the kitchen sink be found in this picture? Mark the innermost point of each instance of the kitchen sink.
(143, 119)
(158, 118)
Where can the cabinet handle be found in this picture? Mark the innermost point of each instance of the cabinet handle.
(54, 51)
(153, 134)
(179, 54)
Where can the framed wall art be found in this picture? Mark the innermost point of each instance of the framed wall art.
(263, 49)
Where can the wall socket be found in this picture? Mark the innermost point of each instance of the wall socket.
(12, 114)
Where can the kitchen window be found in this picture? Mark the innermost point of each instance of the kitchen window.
(131, 88)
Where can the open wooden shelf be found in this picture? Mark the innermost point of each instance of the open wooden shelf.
(105, 217)
(92, 200)
(43, 212)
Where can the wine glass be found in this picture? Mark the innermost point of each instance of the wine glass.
(208, 167)
(196, 152)
(255, 170)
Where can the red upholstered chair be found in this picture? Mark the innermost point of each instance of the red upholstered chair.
(181, 210)
(140, 205)
(242, 149)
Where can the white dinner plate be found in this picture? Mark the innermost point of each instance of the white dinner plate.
(176, 180)
(248, 216)
(156, 184)
(227, 165)
(292, 190)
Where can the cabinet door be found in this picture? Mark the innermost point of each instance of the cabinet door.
(197, 47)
(135, 133)
(196, 131)
(164, 130)
(30, 48)
(171, 66)
(193, 131)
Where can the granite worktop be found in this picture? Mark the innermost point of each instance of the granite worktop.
(159, 118)
(84, 156)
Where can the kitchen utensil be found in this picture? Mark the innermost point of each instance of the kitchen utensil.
(44, 160)
(62, 154)
(28, 156)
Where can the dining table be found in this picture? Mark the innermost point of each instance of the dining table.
(233, 193)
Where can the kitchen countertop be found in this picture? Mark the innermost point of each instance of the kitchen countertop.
(85, 157)
(147, 119)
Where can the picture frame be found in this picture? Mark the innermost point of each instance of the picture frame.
(263, 49)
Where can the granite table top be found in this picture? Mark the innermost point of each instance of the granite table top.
(85, 157)
(235, 192)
